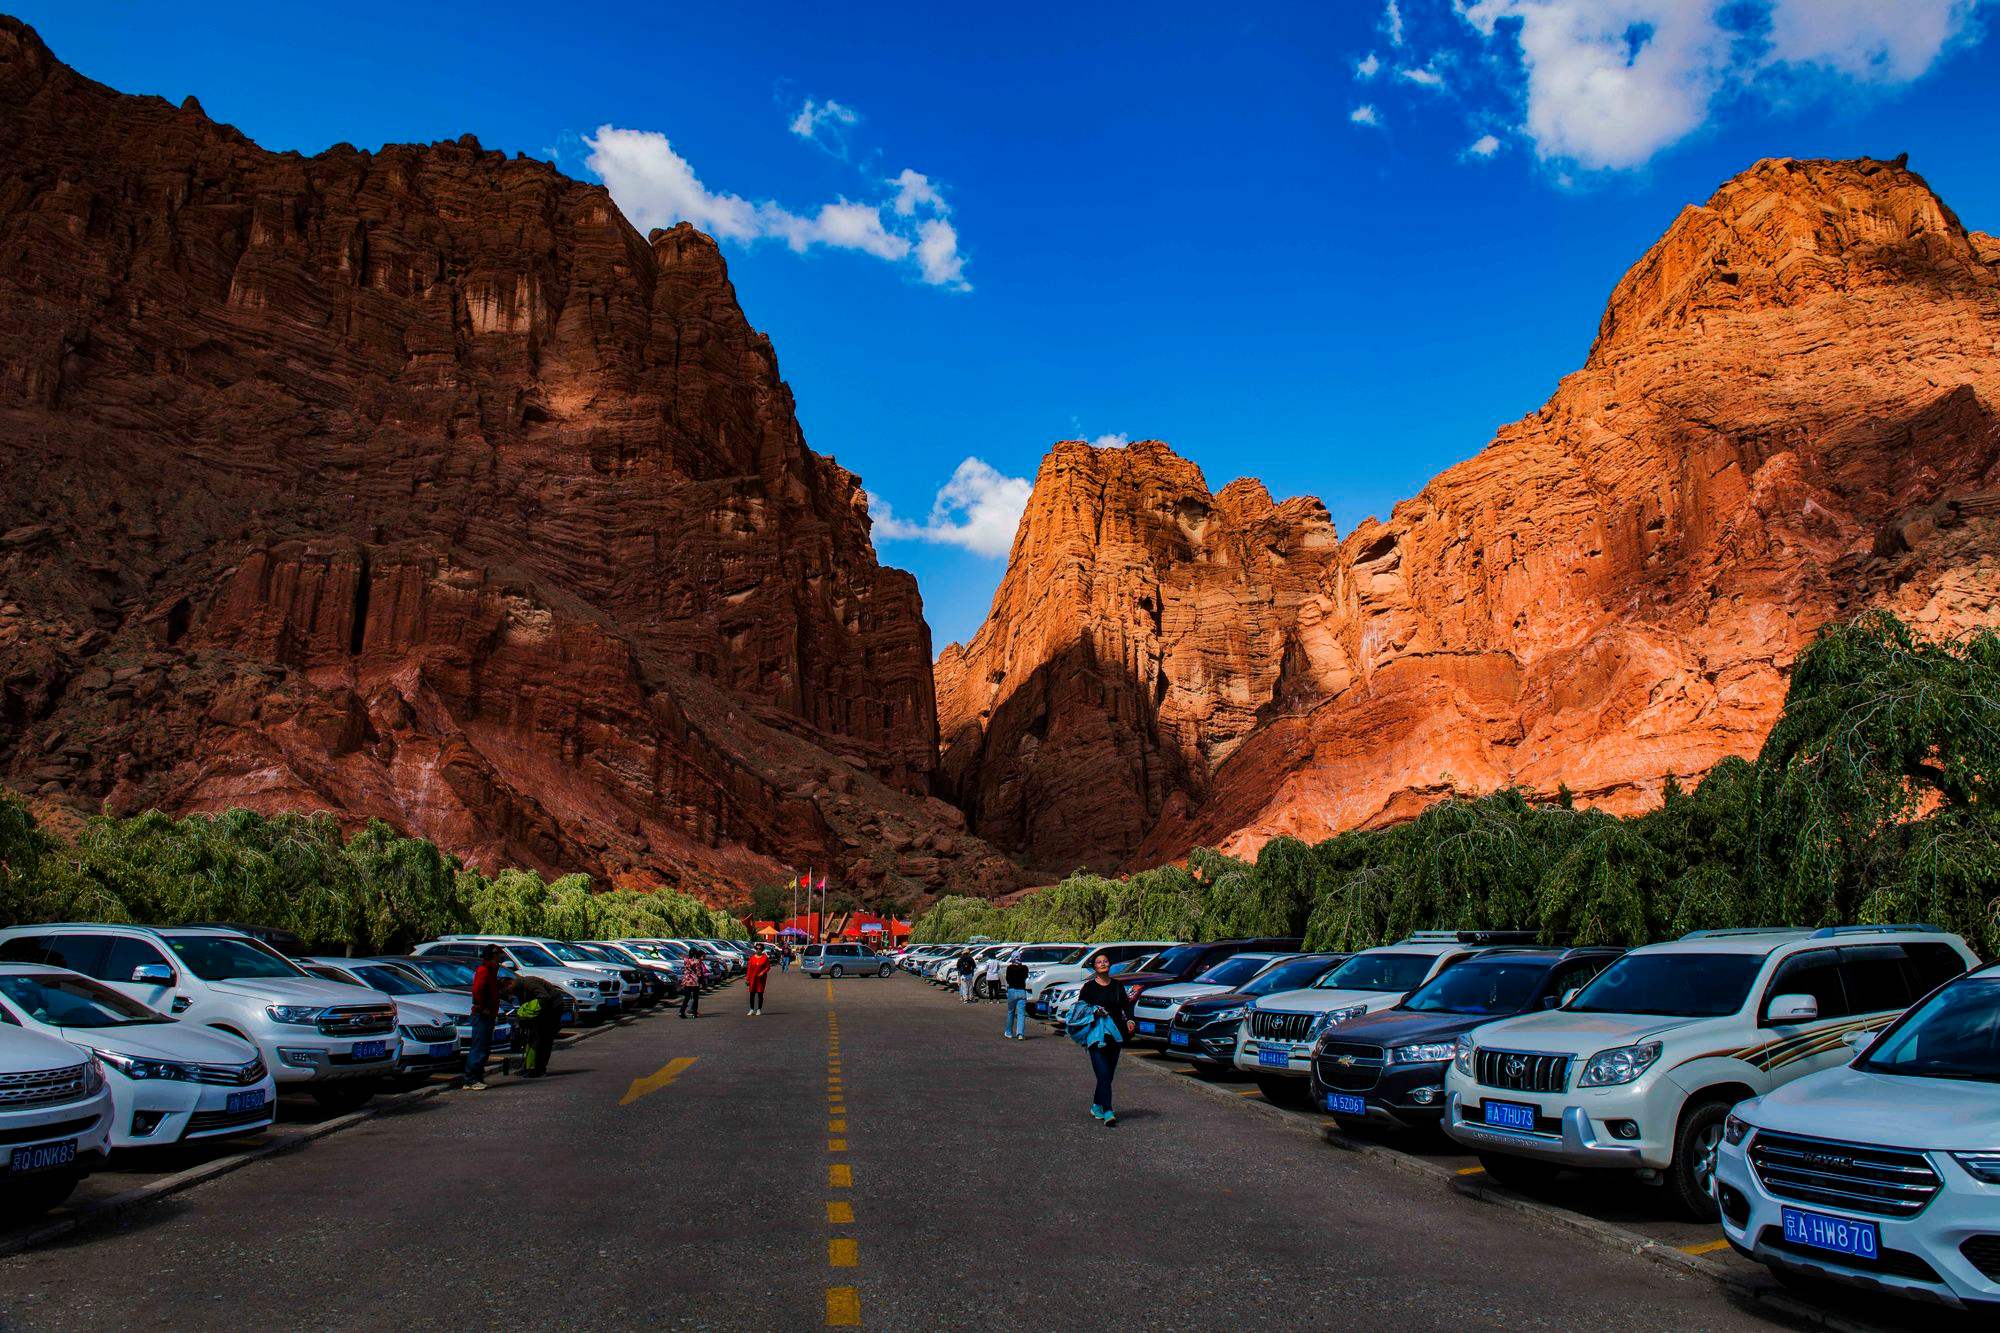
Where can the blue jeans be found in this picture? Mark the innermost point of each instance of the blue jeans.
(1017, 1012)
(482, 1043)
(1104, 1063)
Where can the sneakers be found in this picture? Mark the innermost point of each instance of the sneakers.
(1097, 1112)
(476, 1087)
(1109, 1118)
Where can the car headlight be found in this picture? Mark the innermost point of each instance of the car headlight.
(1461, 1056)
(295, 1014)
(1333, 1018)
(93, 1077)
(1422, 1053)
(134, 1067)
(1620, 1064)
(1226, 1015)
(1981, 1166)
(577, 983)
(1735, 1129)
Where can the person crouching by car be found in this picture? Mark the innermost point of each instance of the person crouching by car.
(540, 1017)
(755, 973)
(968, 973)
(486, 985)
(691, 979)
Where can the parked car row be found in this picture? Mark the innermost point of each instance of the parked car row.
(122, 1037)
(1831, 1096)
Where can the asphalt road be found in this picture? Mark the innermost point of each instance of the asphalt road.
(867, 1151)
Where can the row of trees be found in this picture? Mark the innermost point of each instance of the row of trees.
(376, 891)
(1873, 800)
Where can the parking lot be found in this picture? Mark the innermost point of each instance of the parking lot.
(869, 1152)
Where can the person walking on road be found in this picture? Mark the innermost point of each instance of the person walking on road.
(785, 959)
(755, 973)
(691, 978)
(968, 972)
(1100, 1022)
(1017, 999)
(485, 1013)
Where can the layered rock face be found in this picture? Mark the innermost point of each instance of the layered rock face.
(417, 484)
(1788, 416)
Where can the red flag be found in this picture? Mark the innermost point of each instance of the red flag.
(806, 881)
(822, 884)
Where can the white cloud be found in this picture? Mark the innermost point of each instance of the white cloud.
(1427, 77)
(977, 509)
(657, 187)
(1117, 441)
(1610, 83)
(1392, 23)
(831, 117)
(1367, 67)
(1365, 114)
(1486, 145)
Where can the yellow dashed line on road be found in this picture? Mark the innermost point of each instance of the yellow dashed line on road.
(839, 1213)
(1706, 1247)
(843, 1307)
(836, 1145)
(840, 1176)
(836, 1126)
(843, 1253)
(653, 1082)
(843, 1304)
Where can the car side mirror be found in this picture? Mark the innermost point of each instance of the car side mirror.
(1792, 1009)
(153, 974)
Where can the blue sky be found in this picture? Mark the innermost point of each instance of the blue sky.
(1333, 245)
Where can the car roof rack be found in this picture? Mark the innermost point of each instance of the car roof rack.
(1727, 932)
(1886, 928)
(1471, 937)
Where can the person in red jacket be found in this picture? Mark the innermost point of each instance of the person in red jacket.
(755, 973)
(486, 985)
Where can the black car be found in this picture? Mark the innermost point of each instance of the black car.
(1388, 1067)
(1204, 1029)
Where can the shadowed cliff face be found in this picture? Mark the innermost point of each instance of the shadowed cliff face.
(1789, 415)
(417, 484)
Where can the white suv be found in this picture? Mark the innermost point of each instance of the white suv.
(1275, 1040)
(55, 1120)
(1886, 1171)
(1638, 1070)
(1041, 976)
(334, 1040)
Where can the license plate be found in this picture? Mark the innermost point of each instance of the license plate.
(369, 1050)
(1274, 1057)
(1838, 1234)
(1342, 1103)
(1149, 1028)
(1041, 1009)
(1510, 1115)
(440, 1050)
(246, 1101)
(42, 1156)
(1180, 1039)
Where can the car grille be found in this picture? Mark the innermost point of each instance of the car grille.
(1983, 1253)
(1895, 1263)
(357, 1020)
(428, 1034)
(230, 1076)
(1522, 1071)
(1349, 1066)
(1854, 1177)
(203, 1122)
(1272, 1025)
(41, 1086)
(1156, 1010)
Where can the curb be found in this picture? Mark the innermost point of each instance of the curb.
(126, 1200)
(1604, 1233)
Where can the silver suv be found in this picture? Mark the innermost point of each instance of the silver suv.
(845, 960)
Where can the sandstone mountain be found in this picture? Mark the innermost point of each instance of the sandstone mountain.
(1789, 415)
(417, 484)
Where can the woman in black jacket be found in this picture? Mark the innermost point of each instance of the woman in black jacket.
(1104, 992)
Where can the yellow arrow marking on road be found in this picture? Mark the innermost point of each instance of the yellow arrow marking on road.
(653, 1082)
(1472, 1170)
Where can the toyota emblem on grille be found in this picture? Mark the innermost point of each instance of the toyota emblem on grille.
(1517, 1065)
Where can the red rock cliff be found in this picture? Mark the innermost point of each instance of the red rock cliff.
(1789, 415)
(417, 484)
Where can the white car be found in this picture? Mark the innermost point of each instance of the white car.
(1638, 1070)
(1041, 976)
(1884, 1172)
(169, 1080)
(333, 1040)
(1153, 1012)
(1275, 1040)
(586, 988)
(55, 1120)
(435, 1027)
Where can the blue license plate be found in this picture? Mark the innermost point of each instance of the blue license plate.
(1838, 1234)
(1274, 1057)
(1180, 1039)
(1509, 1115)
(1344, 1103)
(369, 1050)
(246, 1101)
(42, 1156)
(1148, 1027)
(439, 1050)
(1041, 1009)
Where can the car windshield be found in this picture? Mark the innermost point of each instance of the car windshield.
(444, 972)
(532, 955)
(569, 953)
(1288, 976)
(74, 1002)
(1954, 1034)
(390, 981)
(1139, 964)
(1673, 985)
(1232, 971)
(1046, 953)
(227, 958)
(1479, 988)
(1378, 972)
(1179, 958)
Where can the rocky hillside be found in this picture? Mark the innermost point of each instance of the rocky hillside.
(1789, 414)
(417, 484)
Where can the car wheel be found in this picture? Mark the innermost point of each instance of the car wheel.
(38, 1194)
(1518, 1173)
(347, 1095)
(833, 971)
(884, 972)
(1282, 1091)
(1695, 1149)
